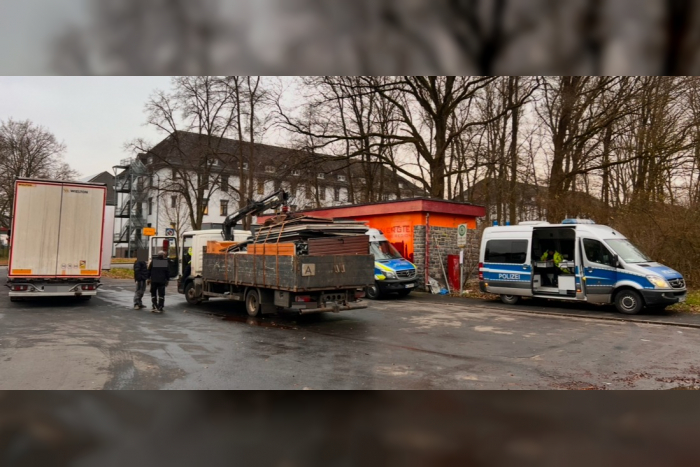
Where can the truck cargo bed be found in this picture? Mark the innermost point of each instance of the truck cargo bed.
(291, 273)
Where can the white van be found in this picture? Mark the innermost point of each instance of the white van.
(596, 264)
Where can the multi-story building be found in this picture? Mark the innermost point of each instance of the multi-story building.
(161, 187)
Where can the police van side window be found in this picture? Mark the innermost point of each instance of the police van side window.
(506, 251)
(596, 252)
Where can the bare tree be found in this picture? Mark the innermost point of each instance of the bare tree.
(28, 150)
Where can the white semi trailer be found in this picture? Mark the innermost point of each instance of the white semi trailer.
(56, 239)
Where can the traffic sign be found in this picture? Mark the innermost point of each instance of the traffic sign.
(169, 232)
(149, 231)
(462, 236)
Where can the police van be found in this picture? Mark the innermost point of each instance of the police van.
(392, 273)
(591, 263)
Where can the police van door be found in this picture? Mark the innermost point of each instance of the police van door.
(507, 268)
(599, 271)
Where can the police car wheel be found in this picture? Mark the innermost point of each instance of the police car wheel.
(372, 292)
(629, 302)
(510, 299)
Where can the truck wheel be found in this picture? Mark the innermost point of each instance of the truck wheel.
(404, 293)
(372, 292)
(510, 299)
(252, 303)
(191, 294)
(629, 302)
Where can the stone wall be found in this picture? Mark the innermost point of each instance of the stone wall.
(444, 240)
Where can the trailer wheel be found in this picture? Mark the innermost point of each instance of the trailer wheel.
(372, 292)
(629, 302)
(510, 299)
(191, 294)
(252, 302)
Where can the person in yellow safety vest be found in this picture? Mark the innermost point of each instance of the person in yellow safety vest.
(556, 257)
(188, 268)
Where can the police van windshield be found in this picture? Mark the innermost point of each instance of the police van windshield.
(627, 251)
(384, 250)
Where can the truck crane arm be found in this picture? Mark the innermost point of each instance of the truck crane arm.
(273, 201)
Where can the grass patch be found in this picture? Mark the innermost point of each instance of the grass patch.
(123, 260)
(119, 273)
(691, 304)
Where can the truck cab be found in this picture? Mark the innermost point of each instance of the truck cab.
(392, 272)
(192, 252)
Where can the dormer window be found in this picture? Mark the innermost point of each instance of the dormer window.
(321, 176)
(269, 169)
(149, 160)
(245, 166)
(400, 184)
(296, 173)
(341, 178)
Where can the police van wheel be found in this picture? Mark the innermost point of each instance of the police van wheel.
(372, 292)
(252, 303)
(510, 299)
(629, 302)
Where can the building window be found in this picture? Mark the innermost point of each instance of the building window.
(321, 193)
(223, 208)
(336, 194)
(203, 181)
(149, 160)
(150, 206)
(215, 162)
(175, 175)
(361, 181)
(150, 181)
(245, 166)
(139, 209)
(205, 207)
(385, 197)
(173, 201)
(307, 192)
(341, 178)
(224, 184)
(269, 169)
(400, 184)
(296, 173)
(261, 187)
(320, 176)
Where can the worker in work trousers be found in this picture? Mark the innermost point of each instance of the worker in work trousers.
(140, 278)
(159, 274)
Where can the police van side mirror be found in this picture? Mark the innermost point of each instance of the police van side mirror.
(616, 261)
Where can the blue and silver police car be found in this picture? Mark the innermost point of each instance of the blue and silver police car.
(392, 273)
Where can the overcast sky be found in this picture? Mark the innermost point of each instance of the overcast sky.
(93, 116)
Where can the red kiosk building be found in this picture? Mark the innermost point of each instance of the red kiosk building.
(424, 230)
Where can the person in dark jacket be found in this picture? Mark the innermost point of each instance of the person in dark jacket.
(159, 277)
(140, 277)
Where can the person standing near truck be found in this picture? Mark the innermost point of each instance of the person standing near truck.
(140, 278)
(159, 277)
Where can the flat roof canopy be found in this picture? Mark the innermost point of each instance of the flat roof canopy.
(437, 206)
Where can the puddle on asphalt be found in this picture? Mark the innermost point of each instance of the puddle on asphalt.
(263, 323)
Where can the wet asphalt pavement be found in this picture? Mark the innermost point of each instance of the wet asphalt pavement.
(420, 342)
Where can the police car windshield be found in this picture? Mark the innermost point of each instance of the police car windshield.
(627, 251)
(384, 251)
